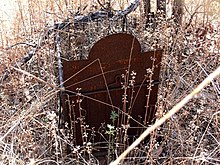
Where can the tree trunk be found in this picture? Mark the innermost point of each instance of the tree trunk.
(146, 7)
(178, 10)
(161, 5)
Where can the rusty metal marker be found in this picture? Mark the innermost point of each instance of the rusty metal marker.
(101, 82)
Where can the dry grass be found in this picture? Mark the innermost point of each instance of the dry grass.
(29, 96)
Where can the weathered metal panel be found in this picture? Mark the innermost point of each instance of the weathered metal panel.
(100, 80)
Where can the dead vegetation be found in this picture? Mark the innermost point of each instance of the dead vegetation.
(29, 96)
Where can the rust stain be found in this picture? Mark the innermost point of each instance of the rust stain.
(114, 54)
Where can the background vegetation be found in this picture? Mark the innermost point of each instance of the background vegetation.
(29, 107)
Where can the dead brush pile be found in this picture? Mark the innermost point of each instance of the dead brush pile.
(29, 109)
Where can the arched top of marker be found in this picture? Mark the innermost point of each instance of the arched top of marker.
(115, 47)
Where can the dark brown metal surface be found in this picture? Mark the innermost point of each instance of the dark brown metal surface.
(100, 80)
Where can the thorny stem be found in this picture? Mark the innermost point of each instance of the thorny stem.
(149, 89)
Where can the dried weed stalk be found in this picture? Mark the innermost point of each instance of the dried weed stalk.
(29, 109)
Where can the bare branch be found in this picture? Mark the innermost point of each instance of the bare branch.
(22, 43)
(192, 16)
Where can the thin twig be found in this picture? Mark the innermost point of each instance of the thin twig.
(203, 135)
(192, 16)
(34, 45)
